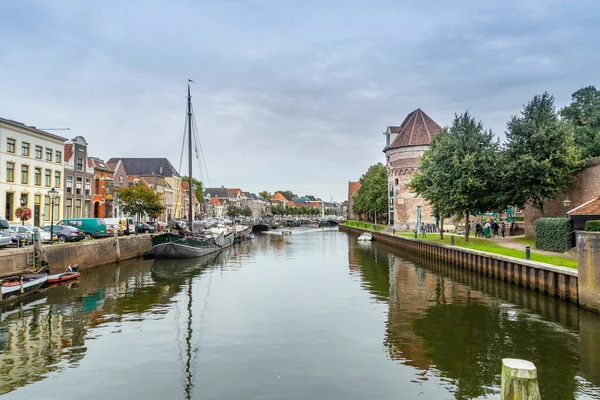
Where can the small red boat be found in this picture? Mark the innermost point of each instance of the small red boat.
(65, 276)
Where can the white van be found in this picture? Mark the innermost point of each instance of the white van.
(4, 232)
(126, 227)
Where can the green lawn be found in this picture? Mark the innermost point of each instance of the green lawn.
(364, 225)
(490, 247)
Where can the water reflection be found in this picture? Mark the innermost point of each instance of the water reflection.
(457, 326)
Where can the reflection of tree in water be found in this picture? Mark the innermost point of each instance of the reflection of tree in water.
(436, 324)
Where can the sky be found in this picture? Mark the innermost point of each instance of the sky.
(288, 94)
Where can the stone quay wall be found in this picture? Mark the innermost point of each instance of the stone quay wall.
(88, 254)
(555, 281)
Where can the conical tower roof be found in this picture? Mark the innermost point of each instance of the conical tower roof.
(416, 130)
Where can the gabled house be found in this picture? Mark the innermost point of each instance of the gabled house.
(102, 188)
(79, 175)
(278, 200)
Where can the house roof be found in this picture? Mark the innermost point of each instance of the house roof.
(353, 188)
(290, 203)
(236, 192)
(131, 179)
(217, 192)
(301, 200)
(214, 201)
(146, 166)
(591, 207)
(98, 164)
(68, 151)
(252, 196)
(416, 130)
(278, 197)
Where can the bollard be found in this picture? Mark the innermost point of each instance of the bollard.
(393, 231)
(117, 246)
(519, 380)
(415, 234)
(527, 252)
(452, 240)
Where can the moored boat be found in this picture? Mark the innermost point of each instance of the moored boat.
(242, 232)
(65, 276)
(366, 237)
(21, 285)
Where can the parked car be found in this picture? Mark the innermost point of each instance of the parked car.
(4, 232)
(122, 222)
(111, 228)
(141, 227)
(28, 231)
(92, 227)
(66, 233)
(157, 225)
(16, 238)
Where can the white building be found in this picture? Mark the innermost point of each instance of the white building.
(31, 164)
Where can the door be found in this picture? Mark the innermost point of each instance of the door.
(36, 215)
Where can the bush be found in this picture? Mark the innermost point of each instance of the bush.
(592, 226)
(553, 234)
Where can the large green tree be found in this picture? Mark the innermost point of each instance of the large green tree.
(584, 115)
(139, 199)
(540, 154)
(459, 173)
(372, 195)
(198, 187)
(288, 194)
(265, 195)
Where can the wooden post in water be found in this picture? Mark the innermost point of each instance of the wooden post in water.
(519, 380)
(117, 248)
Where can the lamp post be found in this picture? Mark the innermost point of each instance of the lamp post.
(52, 193)
(138, 204)
(566, 204)
(23, 200)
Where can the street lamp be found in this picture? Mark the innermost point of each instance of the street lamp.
(138, 204)
(52, 193)
(23, 201)
(566, 203)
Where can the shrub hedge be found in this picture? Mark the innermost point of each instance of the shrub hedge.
(592, 226)
(553, 234)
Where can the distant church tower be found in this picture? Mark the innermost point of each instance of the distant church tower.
(405, 144)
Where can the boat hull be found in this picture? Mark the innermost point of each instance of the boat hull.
(67, 276)
(31, 283)
(172, 246)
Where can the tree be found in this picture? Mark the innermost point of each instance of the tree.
(288, 194)
(265, 195)
(247, 211)
(198, 187)
(540, 154)
(372, 196)
(584, 115)
(139, 199)
(459, 173)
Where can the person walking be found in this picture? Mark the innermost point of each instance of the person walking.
(502, 228)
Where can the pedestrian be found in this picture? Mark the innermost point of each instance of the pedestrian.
(423, 230)
(502, 228)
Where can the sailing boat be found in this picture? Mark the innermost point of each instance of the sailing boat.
(186, 243)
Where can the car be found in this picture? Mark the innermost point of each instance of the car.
(66, 233)
(112, 228)
(93, 227)
(141, 227)
(29, 231)
(157, 225)
(16, 238)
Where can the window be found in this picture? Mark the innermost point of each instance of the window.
(10, 172)
(69, 184)
(25, 149)
(47, 208)
(396, 181)
(9, 206)
(10, 145)
(97, 188)
(56, 179)
(48, 178)
(78, 187)
(38, 152)
(387, 142)
(37, 177)
(88, 186)
(57, 209)
(78, 207)
(58, 156)
(48, 154)
(24, 174)
(121, 179)
(69, 208)
(80, 164)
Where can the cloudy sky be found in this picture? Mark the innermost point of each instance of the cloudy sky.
(288, 94)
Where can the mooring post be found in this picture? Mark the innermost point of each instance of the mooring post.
(519, 380)
(527, 252)
(117, 248)
(452, 240)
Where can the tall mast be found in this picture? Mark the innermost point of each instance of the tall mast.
(190, 182)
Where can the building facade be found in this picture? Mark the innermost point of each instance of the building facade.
(103, 188)
(31, 165)
(405, 144)
(78, 180)
(352, 193)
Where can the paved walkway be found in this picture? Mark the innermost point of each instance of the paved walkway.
(513, 244)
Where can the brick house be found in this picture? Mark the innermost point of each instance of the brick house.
(405, 144)
(78, 177)
(352, 193)
(102, 188)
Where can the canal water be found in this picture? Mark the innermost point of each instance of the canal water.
(314, 315)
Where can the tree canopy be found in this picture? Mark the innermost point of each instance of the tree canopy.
(265, 195)
(198, 187)
(584, 115)
(288, 194)
(372, 195)
(540, 154)
(139, 199)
